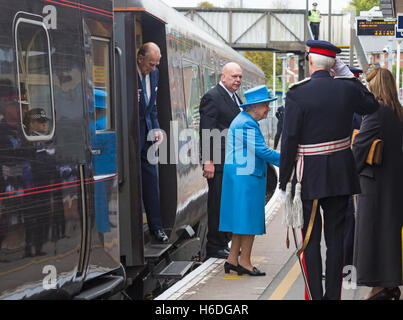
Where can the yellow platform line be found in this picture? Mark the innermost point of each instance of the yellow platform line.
(287, 282)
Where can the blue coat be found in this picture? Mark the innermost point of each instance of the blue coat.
(244, 180)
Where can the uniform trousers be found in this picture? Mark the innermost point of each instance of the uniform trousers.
(334, 213)
(216, 240)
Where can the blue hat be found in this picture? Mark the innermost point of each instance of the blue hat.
(256, 95)
(322, 47)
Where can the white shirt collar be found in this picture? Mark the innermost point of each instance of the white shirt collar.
(229, 92)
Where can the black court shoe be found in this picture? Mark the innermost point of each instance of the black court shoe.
(394, 293)
(228, 266)
(256, 272)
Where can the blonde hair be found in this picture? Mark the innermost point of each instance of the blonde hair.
(382, 85)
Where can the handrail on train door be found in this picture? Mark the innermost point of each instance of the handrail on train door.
(84, 217)
(119, 83)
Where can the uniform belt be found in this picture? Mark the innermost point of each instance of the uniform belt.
(293, 207)
(316, 150)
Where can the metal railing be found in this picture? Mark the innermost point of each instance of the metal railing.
(359, 51)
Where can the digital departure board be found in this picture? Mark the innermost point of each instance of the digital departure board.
(375, 28)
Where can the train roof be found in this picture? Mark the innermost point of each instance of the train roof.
(178, 21)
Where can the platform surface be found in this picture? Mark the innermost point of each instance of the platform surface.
(283, 280)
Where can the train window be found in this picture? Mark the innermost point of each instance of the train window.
(191, 83)
(35, 79)
(209, 80)
(102, 88)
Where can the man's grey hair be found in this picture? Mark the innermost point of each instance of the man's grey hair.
(321, 61)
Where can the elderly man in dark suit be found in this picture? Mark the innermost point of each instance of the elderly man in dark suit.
(218, 107)
(148, 59)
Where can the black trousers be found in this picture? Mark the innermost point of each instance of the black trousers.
(216, 240)
(150, 190)
(278, 134)
(334, 213)
(315, 29)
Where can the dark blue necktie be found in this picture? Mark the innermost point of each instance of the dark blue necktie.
(144, 83)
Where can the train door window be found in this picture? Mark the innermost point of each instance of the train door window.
(102, 87)
(209, 80)
(35, 79)
(191, 83)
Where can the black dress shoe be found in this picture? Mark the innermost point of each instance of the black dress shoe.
(387, 294)
(220, 254)
(228, 266)
(256, 272)
(160, 235)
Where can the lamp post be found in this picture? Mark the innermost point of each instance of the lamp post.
(398, 64)
(390, 55)
(283, 59)
(330, 21)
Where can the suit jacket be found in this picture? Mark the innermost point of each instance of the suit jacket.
(316, 111)
(217, 110)
(148, 114)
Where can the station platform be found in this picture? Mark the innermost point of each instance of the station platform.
(283, 280)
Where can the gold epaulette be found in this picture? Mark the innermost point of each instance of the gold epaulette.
(345, 77)
(298, 83)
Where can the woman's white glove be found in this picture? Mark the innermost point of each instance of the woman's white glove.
(340, 69)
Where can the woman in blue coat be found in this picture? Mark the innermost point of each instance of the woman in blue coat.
(244, 181)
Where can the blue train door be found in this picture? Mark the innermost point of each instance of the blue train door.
(104, 234)
(103, 134)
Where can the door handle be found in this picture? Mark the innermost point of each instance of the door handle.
(96, 152)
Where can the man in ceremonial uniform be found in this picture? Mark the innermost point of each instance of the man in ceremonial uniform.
(317, 162)
(350, 217)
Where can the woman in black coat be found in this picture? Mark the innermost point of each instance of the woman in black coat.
(379, 220)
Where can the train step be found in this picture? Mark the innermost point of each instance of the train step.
(105, 285)
(155, 250)
(175, 270)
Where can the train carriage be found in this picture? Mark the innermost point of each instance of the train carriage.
(71, 218)
(59, 192)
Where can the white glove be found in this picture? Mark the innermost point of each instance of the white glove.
(282, 196)
(340, 69)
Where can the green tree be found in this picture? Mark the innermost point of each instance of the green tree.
(205, 5)
(363, 5)
(264, 60)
